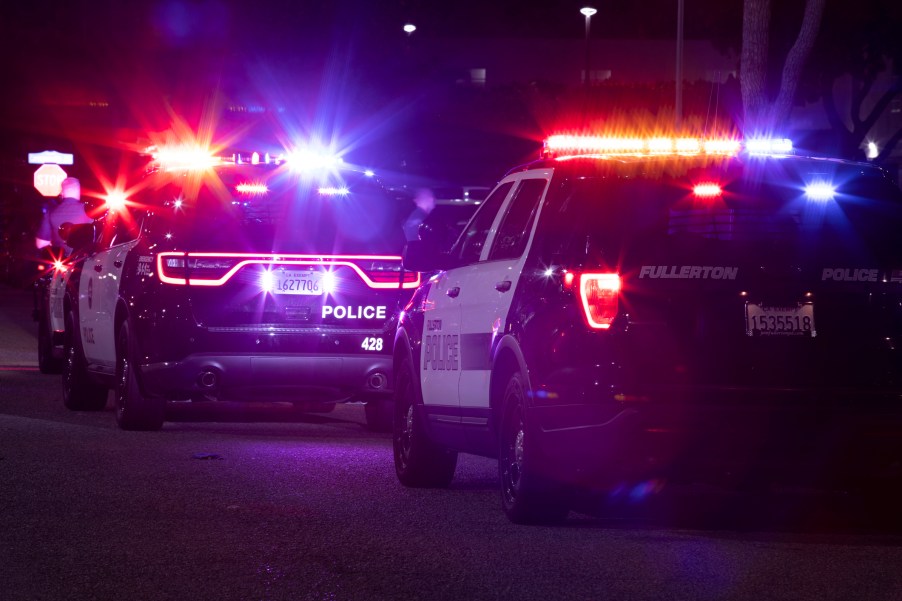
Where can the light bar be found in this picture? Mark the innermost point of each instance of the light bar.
(329, 191)
(769, 145)
(565, 146)
(252, 189)
(187, 158)
(308, 160)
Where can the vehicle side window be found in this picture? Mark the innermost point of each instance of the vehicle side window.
(469, 245)
(510, 241)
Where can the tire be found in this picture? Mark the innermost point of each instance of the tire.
(47, 363)
(80, 393)
(527, 497)
(134, 410)
(419, 462)
(379, 415)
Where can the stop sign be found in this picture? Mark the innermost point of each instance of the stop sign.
(47, 179)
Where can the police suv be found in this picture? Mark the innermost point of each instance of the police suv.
(627, 312)
(245, 277)
(49, 291)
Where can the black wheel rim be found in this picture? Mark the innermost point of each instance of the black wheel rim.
(68, 371)
(122, 380)
(404, 433)
(512, 453)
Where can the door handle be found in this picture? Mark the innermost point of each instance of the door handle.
(98, 267)
(117, 263)
(453, 292)
(503, 286)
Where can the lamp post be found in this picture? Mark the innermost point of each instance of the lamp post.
(588, 11)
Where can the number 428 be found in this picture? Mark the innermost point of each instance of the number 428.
(372, 344)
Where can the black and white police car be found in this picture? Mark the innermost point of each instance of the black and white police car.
(49, 290)
(245, 277)
(627, 312)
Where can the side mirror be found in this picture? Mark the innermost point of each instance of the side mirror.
(78, 236)
(424, 256)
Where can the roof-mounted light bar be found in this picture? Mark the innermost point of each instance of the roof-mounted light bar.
(184, 158)
(769, 146)
(565, 146)
(198, 158)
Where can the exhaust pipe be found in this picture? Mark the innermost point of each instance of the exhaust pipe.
(208, 379)
(377, 381)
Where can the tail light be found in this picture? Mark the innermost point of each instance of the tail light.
(599, 294)
(215, 269)
(197, 270)
(387, 274)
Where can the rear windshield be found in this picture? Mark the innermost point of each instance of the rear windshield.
(264, 209)
(763, 210)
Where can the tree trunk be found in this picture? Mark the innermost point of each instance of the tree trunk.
(795, 62)
(753, 61)
(763, 117)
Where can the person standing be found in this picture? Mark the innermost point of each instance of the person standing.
(425, 202)
(68, 208)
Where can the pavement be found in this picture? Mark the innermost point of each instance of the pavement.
(18, 331)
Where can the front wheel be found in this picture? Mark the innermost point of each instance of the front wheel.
(134, 410)
(527, 496)
(80, 393)
(419, 462)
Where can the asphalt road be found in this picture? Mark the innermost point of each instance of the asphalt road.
(263, 503)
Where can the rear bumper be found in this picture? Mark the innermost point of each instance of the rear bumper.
(290, 377)
(734, 440)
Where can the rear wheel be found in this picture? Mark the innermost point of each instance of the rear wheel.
(527, 496)
(47, 363)
(80, 393)
(134, 410)
(419, 462)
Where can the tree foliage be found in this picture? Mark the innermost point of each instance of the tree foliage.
(860, 41)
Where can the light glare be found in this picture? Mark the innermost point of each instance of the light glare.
(820, 191)
(115, 201)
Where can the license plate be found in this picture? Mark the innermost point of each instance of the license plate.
(297, 282)
(761, 320)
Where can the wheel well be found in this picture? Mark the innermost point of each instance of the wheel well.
(505, 364)
(120, 317)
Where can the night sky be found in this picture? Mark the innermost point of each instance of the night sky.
(333, 65)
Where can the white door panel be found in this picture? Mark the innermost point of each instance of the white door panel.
(440, 358)
(97, 303)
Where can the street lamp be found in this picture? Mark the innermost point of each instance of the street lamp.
(588, 11)
(409, 28)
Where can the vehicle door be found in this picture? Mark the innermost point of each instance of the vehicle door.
(99, 291)
(485, 297)
(441, 359)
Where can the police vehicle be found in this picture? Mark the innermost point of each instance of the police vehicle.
(627, 312)
(244, 277)
(49, 290)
